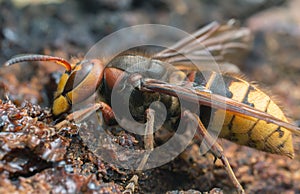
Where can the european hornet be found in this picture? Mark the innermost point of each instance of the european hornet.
(251, 116)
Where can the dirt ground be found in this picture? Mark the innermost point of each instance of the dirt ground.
(35, 158)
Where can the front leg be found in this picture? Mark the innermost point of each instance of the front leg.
(109, 118)
(79, 115)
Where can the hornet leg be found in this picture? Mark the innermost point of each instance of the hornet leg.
(149, 145)
(215, 148)
(82, 114)
(109, 118)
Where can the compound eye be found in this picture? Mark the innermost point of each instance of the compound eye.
(78, 75)
(83, 81)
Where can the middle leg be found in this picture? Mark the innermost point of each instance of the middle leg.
(148, 145)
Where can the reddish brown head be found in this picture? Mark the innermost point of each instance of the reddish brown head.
(78, 82)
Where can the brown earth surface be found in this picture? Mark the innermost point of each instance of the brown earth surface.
(36, 158)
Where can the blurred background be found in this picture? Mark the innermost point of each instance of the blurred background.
(69, 28)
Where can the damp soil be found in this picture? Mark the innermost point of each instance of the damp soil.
(35, 157)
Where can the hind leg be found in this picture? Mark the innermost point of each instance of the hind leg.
(215, 148)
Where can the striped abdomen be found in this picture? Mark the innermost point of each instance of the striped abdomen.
(247, 131)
